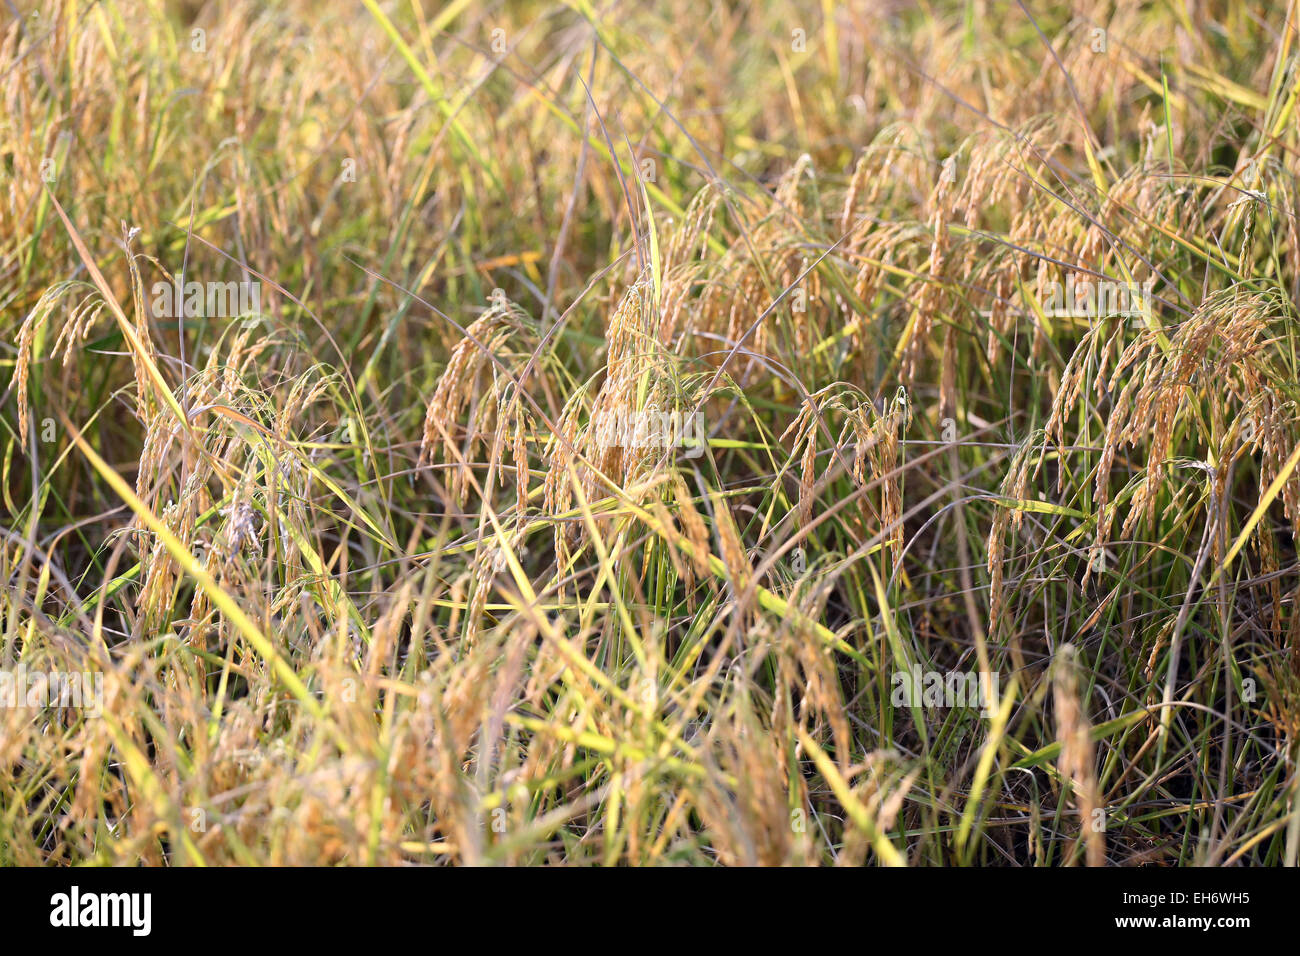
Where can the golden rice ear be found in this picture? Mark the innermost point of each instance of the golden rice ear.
(561, 472)
(1077, 762)
(931, 297)
(519, 456)
(474, 380)
(807, 476)
(693, 524)
(1014, 485)
(731, 548)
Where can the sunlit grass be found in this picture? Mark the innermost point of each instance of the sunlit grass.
(379, 574)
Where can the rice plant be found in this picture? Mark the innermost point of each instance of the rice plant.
(767, 433)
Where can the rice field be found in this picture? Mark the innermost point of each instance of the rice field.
(597, 433)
